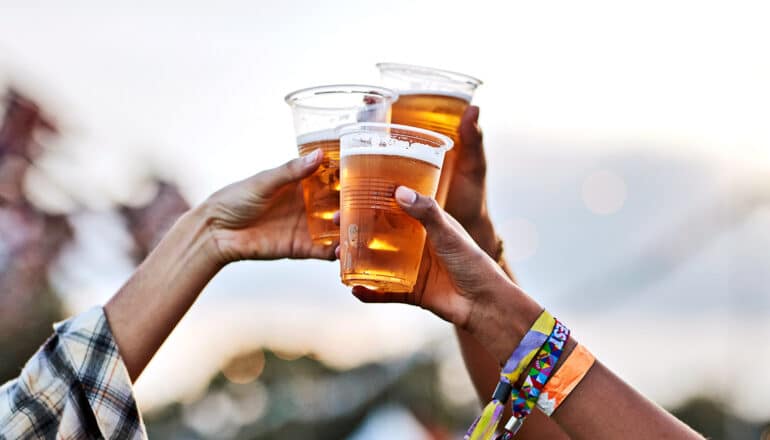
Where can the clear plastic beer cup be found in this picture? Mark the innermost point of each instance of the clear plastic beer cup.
(317, 112)
(381, 245)
(432, 99)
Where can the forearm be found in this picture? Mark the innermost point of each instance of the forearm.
(602, 406)
(156, 297)
(485, 373)
(482, 367)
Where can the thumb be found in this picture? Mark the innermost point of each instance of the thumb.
(270, 180)
(442, 235)
(425, 209)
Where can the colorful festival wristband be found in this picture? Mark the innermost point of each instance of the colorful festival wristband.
(571, 372)
(525, 398)
(528, 347)
(485, 425)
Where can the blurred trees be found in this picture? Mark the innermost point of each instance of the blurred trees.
(303, 398)
(260, 396)
(711, 419)
(32, 239)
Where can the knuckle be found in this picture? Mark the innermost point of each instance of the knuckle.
(292, 167)
(433, 208)
(433, 212)
(427, 206)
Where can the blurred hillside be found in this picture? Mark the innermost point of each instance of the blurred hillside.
(264, 395)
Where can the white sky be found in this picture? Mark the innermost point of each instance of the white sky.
(200, 87)
(196, 90)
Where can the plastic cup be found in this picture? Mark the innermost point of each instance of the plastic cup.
(317, 112)
(381, 246)
(433, 99)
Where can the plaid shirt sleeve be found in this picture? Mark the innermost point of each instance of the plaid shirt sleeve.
(75, 387)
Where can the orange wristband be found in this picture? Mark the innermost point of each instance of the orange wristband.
(565, 380)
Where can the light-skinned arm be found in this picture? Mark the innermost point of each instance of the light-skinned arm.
(262, 217)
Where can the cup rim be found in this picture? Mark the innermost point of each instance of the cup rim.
(354, 128)
(294, 98)
(443, 74)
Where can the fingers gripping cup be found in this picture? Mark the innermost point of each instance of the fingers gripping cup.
(381, 245)
(432, 99)
(318, 111)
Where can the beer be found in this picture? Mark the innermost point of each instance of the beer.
(381, 245)
(317, 112)
(321, 190)
(432, 99)
(439, 112)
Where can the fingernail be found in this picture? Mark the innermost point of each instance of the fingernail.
(312, 157)
(406, 195)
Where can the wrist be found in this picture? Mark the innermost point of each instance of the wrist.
(197, 226)
(501, 322)
(161, 290)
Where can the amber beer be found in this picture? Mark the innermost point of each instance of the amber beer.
(380, 245)
(432, 99)
(317, 112)
(438, 112)
(321, 190)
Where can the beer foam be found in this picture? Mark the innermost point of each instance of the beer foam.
(374, 144)
(316, 136)
(458, 95)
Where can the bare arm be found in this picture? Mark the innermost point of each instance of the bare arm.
(603, 406)
(470, 290)
(467, 203)
(258, 218)
(163, 288)
(483, 368)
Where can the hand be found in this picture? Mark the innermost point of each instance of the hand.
(263, 217)
(467, 199)
(455, 272)
(460, 283)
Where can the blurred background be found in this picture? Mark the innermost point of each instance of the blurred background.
(629, 156)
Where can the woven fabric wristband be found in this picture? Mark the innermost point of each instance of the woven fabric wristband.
(525, 398)
(485, 425)
(571, 372)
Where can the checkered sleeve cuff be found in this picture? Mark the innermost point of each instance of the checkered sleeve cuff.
(75, 386)
(87, 345)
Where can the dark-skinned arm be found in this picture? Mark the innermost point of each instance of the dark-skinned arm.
(466, 202)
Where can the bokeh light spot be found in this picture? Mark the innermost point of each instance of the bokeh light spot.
(288, 355)
(245, 369)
